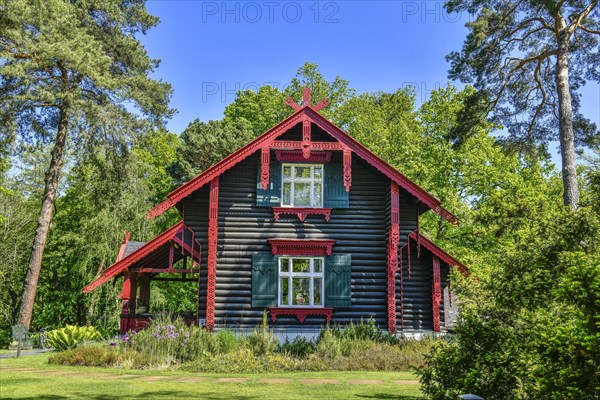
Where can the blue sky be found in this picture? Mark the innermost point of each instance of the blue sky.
(209, 49)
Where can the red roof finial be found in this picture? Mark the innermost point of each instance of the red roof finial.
(306, 101)
(306, 97)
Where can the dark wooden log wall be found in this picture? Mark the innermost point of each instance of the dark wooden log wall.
(360, 230)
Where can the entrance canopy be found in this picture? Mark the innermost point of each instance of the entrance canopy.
(155, 256)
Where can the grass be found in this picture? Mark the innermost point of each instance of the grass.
(57, 382)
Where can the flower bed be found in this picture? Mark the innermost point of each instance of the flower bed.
(172, 344)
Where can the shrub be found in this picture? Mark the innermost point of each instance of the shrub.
(171, 340)
(262, 340)
(328, 346)
(300, 347)
(86, 356)
(226, 341)
(71, 336)
(240, 361)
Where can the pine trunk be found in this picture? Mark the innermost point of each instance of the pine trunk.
(41, 233)
(565, 127)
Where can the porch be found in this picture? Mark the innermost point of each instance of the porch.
(174, 255)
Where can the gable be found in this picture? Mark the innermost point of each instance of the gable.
(280, 137)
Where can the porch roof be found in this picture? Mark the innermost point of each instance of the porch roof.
(439, 252)
(155, 254)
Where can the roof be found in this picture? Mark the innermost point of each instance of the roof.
(439, 252)
(155, 253)
(266, 138)
(131, 247)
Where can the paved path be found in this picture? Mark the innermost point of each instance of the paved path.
(25, 353)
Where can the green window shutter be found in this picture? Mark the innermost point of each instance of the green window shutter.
(338, 280)
(264, 280)
(335, 195)
(271, 197)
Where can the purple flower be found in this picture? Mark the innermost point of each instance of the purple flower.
(187, 334)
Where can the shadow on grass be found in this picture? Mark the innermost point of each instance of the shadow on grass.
(388, 396)
(162, 394)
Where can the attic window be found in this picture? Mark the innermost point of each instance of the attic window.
(302, 185)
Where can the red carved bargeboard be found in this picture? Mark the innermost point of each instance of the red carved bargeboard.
(295, 156)
(436, 293)
(213, 228)
(393, 242)
(306, 138)
(302, 212)
(302, 247)
(265, 156)
(301, 313)
(347, 168)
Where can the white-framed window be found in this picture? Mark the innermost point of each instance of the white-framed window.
(302, 185)
(301, 281)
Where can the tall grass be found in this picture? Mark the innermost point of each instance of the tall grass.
(169, 342)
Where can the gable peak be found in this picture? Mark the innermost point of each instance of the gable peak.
(306, 101)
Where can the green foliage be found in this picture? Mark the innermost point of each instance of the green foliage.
(74, 74)
(328, 346)
(171, 340)
(261, 340)
(265, 108)
(226, 341)
(205, 144)
(169, 343)
(89, 356)
(511, 56)
(71, 336)
(537, 334)
(300, 347)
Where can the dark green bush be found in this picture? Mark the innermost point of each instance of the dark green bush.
(299, 347)
(227, 341)
(89, 356)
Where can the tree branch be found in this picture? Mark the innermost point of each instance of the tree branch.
(589, 30)
(577, 23)
(543, 102)
(525, 61)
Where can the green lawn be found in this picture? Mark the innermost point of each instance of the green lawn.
(33, 378)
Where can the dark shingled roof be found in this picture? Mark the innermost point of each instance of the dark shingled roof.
(131, 247)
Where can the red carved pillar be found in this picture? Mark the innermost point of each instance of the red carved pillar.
(132, 293)
(213, 229)
(306, 138)
(265, 159)
(144, 298)
(172, 254)
(125, 291)
(436, 293)
(393, 242)
(347, 169)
